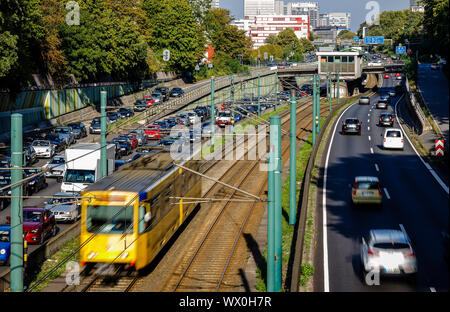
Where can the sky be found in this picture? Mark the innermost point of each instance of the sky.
(357, 8)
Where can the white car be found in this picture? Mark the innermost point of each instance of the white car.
(393, 138)
(65, 207)
(56, 168)
(374, 63)
(43, 148)
(388, 252)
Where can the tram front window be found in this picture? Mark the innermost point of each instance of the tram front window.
(109, 219)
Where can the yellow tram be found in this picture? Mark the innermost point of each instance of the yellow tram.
(130, 215)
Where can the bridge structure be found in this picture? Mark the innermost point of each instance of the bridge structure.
(354, 73)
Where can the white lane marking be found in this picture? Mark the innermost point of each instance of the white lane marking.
(369, 138)
(326, 278)
(368, 115)
(387, 193)
(368, 120)
(371, 150)
(432, 289)
(377, 168)
(368, 128)
(433, 173)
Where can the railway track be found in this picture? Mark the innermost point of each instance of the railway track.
(212, 265)
(122, 283)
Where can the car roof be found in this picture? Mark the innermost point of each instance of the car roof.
(366, 179)
(392, 129)
(386, 235)
(61, 194)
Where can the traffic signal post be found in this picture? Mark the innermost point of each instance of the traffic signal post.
(103, 126)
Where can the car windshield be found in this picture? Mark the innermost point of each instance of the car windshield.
(351, 121)
(41, 143)
(62, 130)
(391, 245)
(79, 176)
(224, 114)
(60, 200)
(32, 171)
(393, 134)
(109, 219)
(4, 236)
(368, 185)
(75, 126)
(58, 161)
(32, 216)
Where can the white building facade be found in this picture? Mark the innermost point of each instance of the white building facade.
(339, 19)
(215, 4)
(265, 25)
(305, 8)
(244, 24)
(258, 7)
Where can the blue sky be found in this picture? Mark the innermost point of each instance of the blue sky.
(355, 7)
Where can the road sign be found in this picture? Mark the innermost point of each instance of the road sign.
(166, 55)
(271, 58)
(355, 38)
(439, 147)
(266, 55)
(400, 49)
(374, 40)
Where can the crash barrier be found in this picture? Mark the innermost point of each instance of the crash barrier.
(414, 104)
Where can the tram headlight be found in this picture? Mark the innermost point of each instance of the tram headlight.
(2, 251)
(92, 255)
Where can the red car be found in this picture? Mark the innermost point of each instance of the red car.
(38, 224)
(153, 132)
(386, 76)
(133, 139)
(149, 100)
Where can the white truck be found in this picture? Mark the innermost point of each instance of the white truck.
(83, 165)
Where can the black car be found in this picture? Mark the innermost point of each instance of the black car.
(386, 119)
(117, 148)
(125, 146)
(79, 129)
(5, 180)
(30, 155)
(59, 142)
(176, 92)
(164, 91)
(38, 182)
(126, 112)
(351, 125)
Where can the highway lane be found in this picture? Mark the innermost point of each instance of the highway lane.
(412, 197)
(434, 88)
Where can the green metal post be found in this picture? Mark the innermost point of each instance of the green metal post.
(318, 105)
(337, 90)
(271, 211)
(314, 111)
(232, 102)
(278, 208)
(259, 94)
(16, 256)
(103, 125)
(213, 113)
(276, 91)
(329, 89)
(292, 162)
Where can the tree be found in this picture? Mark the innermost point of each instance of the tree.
(173, 27)
(287, 38)
(271, 39)
(346, 34)
(8, 52)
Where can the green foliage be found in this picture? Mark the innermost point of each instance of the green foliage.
(173, 27)
(346, 34)
(8, 52)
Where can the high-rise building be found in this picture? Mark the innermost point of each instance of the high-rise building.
(324, 20)
(244, 24)
(279, 7)
(339, 19)
(215, 4)
(258, 7)
(304, 8)
(266, 25)
(416, 6)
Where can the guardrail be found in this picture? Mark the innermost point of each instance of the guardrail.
(414, 104)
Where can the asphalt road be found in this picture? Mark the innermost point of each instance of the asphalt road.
(411, 197)
(434, 88)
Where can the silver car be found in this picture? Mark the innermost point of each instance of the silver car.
(388, 252)
(56, 167)
(141, 136)
(364, 100)
(65, 207)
